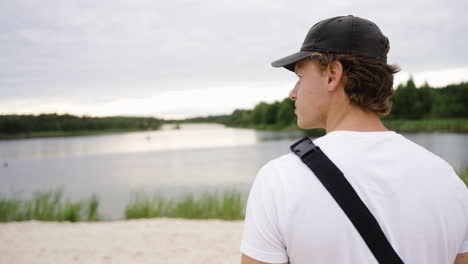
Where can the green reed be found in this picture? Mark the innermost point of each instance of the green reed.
(464, 176)
(228, 206)
(440, 125)
(48, 206)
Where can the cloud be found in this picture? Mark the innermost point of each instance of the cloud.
(85, 52)
(185, 103)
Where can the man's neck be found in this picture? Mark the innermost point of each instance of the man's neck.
(352, 118)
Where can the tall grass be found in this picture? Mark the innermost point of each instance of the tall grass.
(49, 206)
(441, 125)
(464, 176)
(228, 206)
(453, 125)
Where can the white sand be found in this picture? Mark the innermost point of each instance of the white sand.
(158, 240)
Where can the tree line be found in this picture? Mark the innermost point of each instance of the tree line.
(425, 102)
(408, 103)
(16, 124)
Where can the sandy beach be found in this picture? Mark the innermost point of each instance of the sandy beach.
(158, 240)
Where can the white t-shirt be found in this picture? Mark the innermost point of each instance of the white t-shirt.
(418, 199)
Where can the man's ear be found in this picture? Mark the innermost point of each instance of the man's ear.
(335, 74)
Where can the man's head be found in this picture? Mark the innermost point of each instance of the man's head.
(341, 66)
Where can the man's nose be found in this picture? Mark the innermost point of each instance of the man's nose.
(293, 92)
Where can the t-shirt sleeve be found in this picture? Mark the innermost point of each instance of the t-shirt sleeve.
(462, 194)
(261, 239)
(464, 247)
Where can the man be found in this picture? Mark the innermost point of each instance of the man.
(417, 198)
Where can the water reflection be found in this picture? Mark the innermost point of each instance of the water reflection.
(189, 136)
(194, 158)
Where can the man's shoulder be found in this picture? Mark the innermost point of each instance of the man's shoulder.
(288, 165)
(286, 160)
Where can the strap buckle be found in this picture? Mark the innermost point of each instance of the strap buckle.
(303, 147)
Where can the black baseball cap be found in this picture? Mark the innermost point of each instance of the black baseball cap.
(340, 35)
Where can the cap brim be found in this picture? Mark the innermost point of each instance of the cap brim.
(289, 62)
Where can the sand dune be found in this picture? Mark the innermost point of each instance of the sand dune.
(159, 240)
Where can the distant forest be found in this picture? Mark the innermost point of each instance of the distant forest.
(448, 106)
(24, 124)
(408, 103)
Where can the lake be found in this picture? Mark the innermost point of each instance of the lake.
(193, 159)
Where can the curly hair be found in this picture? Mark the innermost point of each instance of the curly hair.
(368, 82)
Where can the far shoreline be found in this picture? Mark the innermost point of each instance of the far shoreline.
(58, 134)
(459, 125)
(400, 126)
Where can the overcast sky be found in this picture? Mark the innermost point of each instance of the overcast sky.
(175, 59)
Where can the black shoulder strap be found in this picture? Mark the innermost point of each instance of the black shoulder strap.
(347, 198)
